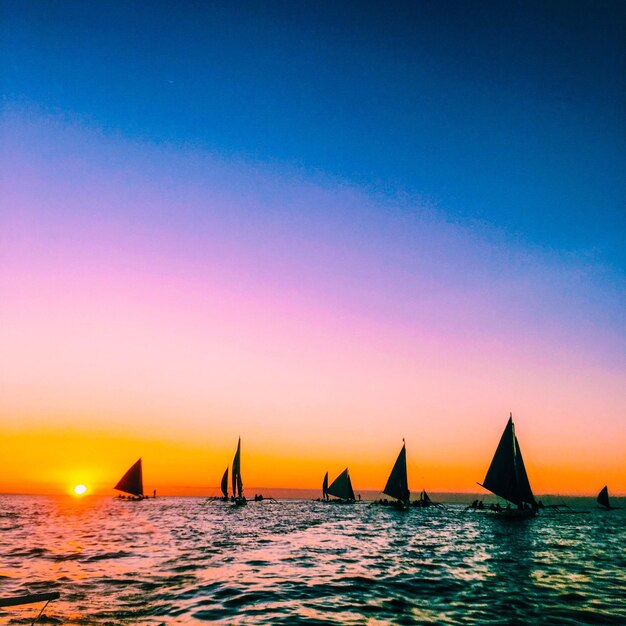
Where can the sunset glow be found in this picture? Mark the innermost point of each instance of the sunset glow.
(80, 490)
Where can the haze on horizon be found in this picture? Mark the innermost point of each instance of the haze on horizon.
(321, 228)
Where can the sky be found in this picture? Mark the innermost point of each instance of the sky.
(323, 227)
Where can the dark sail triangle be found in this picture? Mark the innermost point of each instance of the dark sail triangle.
(224, 484)
(603, 497)
(132, 481)
(506, 476)
(425, 497)
(237, 482)
(341, 487)
(524, 492)
(325, 487)
(398, 484)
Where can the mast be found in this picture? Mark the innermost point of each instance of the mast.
(224, 485)
(236, 479)
(398, 483)
(325, 487)
(132, 481)
(603, 497)
(341, 487)
(506, 476)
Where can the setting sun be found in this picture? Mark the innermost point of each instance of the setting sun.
(80, 490)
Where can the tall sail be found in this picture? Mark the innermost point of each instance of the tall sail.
(398, 484)
(325, 487)
(224, 484)
(603, 497)
(506, 476)
(237, 482)
(425, 497)
(341, 487)
(132, 481)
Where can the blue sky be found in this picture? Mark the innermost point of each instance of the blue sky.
(505, 115)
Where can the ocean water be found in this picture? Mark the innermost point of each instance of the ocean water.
(186, 561)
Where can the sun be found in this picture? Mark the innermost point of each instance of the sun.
(80, 490)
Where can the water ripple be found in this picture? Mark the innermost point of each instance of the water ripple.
(180, 561)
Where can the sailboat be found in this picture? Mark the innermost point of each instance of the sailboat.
(224, 485)
(132, 483)
(397, 486)
(237, 484)
(507, 477)
(424, 500)
(325, 487)
(603, 498)
(341, 488)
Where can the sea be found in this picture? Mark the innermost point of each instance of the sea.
(183, 560)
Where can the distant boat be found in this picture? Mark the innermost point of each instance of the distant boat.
(325, 487)
(237, 484)
(341, 488)
(603, 498)
(224, 485)
(507, 477)
(132, 483)
(424, 501)
(397, 486)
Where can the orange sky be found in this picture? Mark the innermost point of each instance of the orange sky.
(45, 460)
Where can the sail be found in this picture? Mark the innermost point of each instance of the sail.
(341, 487)
(132, 481)
(524, 491)
(398, 484)
(325, 487)
(603, 497)
(425, 497)
(224, 484)
(237, 482)
(506, 476)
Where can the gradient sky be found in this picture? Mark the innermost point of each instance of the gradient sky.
(323, 228)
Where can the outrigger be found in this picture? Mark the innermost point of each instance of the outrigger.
(31, 599)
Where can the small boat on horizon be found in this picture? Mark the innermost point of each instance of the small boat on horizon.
(507, 478)
(603, 499)
(341, 488)
(424, 501)
(132, 483)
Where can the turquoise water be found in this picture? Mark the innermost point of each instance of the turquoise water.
(183, 560)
